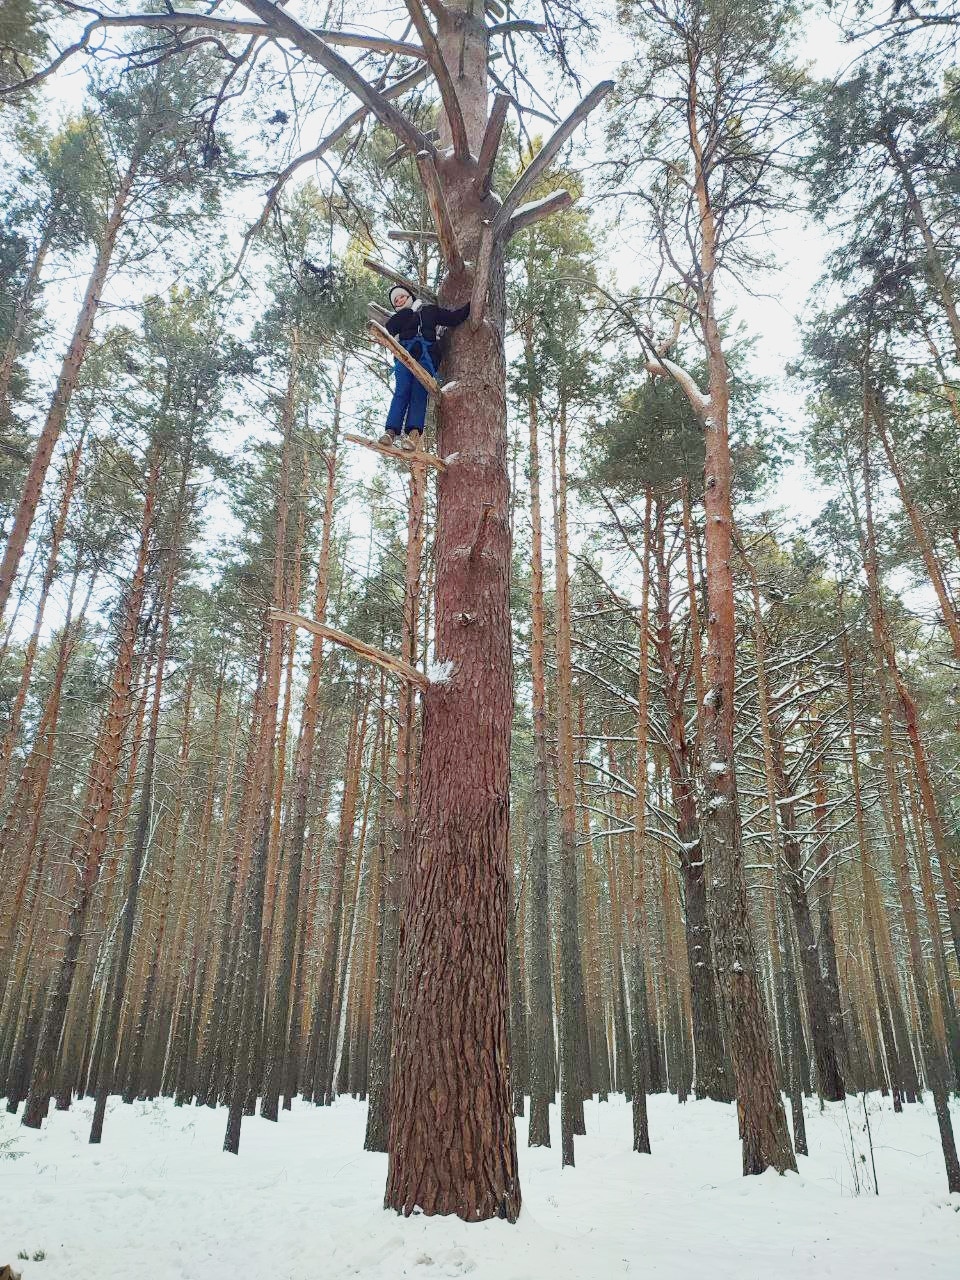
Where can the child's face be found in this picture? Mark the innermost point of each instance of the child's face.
(400, 300)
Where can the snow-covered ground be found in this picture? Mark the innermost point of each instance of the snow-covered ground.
(160, 1200)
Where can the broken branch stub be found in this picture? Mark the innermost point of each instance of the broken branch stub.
(537, 210)
(490, 144)
(396, 666)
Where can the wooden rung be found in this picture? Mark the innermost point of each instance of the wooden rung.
(413, 235)
(398, 455)
(388, 273)
(379, 334)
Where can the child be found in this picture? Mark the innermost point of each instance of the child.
(415, 327)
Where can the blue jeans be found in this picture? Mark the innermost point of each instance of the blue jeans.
(408, 408)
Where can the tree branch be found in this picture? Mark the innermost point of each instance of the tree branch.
(438, 208)
(342, 129)
(519, 25)
(396, 666)
(284, 24)
(175, 20)
(388, 273)
(541, 162)
(528, 214)
(491, 144)
(399, 455)
(448, 91)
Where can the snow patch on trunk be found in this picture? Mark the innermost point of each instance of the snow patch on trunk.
(440, 672)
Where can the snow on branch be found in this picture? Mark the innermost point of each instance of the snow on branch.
(541, 162)
(501, 225)
(536, 210)
(664, 368)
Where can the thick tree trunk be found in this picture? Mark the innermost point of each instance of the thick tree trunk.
(571, 1011)
(277, 1042)
(22, 311)
(398, 856)
(887, 667)
(829, 1075)
(452, 1138)
(249, 959)
(763, 1127)
(638, 934)
(9, 739)
(116, 988)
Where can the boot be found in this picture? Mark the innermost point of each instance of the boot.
(388, 439)
(411, 440)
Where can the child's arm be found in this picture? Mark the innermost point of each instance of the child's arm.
(450, 319)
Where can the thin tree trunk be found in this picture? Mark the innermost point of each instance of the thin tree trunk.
(90, 840)
(63, 393)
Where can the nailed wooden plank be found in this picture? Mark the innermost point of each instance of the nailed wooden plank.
(416, 236)
(398, 455)
(379, 334)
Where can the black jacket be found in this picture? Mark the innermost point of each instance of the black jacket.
(407, 323)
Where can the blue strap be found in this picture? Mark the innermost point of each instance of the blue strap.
(423, 357)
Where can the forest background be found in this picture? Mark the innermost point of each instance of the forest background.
(187, 363)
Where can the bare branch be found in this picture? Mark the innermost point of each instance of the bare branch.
(396, 666)
(387, 273)
(480, 533)
(448, 91)
(175, 20)
(417, 237)
(528, 214)
(541, 162)
(284, 24)
(491, 144)
(336, 135)
(519, 25)
(438, 208)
